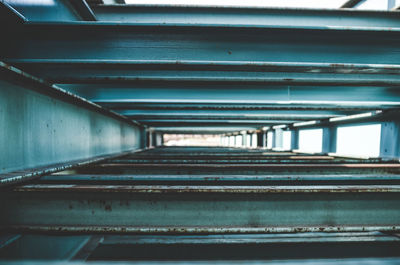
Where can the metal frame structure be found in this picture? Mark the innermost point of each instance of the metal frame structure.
(88, 90)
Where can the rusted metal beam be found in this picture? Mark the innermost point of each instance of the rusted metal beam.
(200, 209)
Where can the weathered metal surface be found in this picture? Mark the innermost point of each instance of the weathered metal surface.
(163, 74)
(43, 125)
(175, 230)
(10, 15)
(251, 16)
(239, 160)
(55, 10)
(282, 107)
(16, 77)
(338, 261)
(120, 71)
(285, 168)
(30, 174)
(248, 239)
(116, 208)
(250, 247)
(207, 189)
(43, 247)
(221, 179)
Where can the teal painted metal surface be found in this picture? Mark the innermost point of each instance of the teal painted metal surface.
(110, 208)
(44, 125)
(250, 16)
(55, 10)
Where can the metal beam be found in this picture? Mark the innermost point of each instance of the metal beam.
(83, 9)
(55, 10)
(226, 117)
(311, 114)
(291, 107)
(122, 71)
(99, 41)
(211, 122)
(9, 15)
(37, 129)
(201, 209)
(208, 129)
(352, 3)
(246, 16)
(210, 92)
(15, 76)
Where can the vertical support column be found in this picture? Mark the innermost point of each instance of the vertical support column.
(391, 4)
(143, 138)
(294, 142)
(244, 139)
(329, 139)
(260, 139)
(278, 139)
(270, 140)
(158, 139)
(263, 143)
(390, 136)
(150, 139)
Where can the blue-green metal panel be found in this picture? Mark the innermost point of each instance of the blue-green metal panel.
(256, 16)
(114, 41)
(42, 125)
(246, 93)
(113, 208)
(53, 10)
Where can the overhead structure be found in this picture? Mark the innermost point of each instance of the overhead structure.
(89, 89)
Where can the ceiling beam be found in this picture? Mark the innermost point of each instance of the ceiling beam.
(289, 107)
(229, 93)
(352, 3)
(291, 73)
(55, 10)
(246, 16)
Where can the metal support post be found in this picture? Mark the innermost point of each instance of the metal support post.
(329, 139)
(244, 139)
(278, 138)
(390, 144)
(294, 140)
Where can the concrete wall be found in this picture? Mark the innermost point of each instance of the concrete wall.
(37, 130)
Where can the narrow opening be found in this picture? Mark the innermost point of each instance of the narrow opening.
(287, 140)
(191, 139)
(361, 140)
(254, 140)
(239, 141)
(310, 140)
(270, 138)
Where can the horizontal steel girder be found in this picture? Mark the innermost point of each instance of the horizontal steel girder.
(237, 180)
(203, 129)
(235, 112)
(210, 121)
(116, 41)
(204, 53)
(208, 209)
(126, 71)
(246, 246)
(197, 92)
(227, 117)
(56, 10)
(246, 16)
(284, 108)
